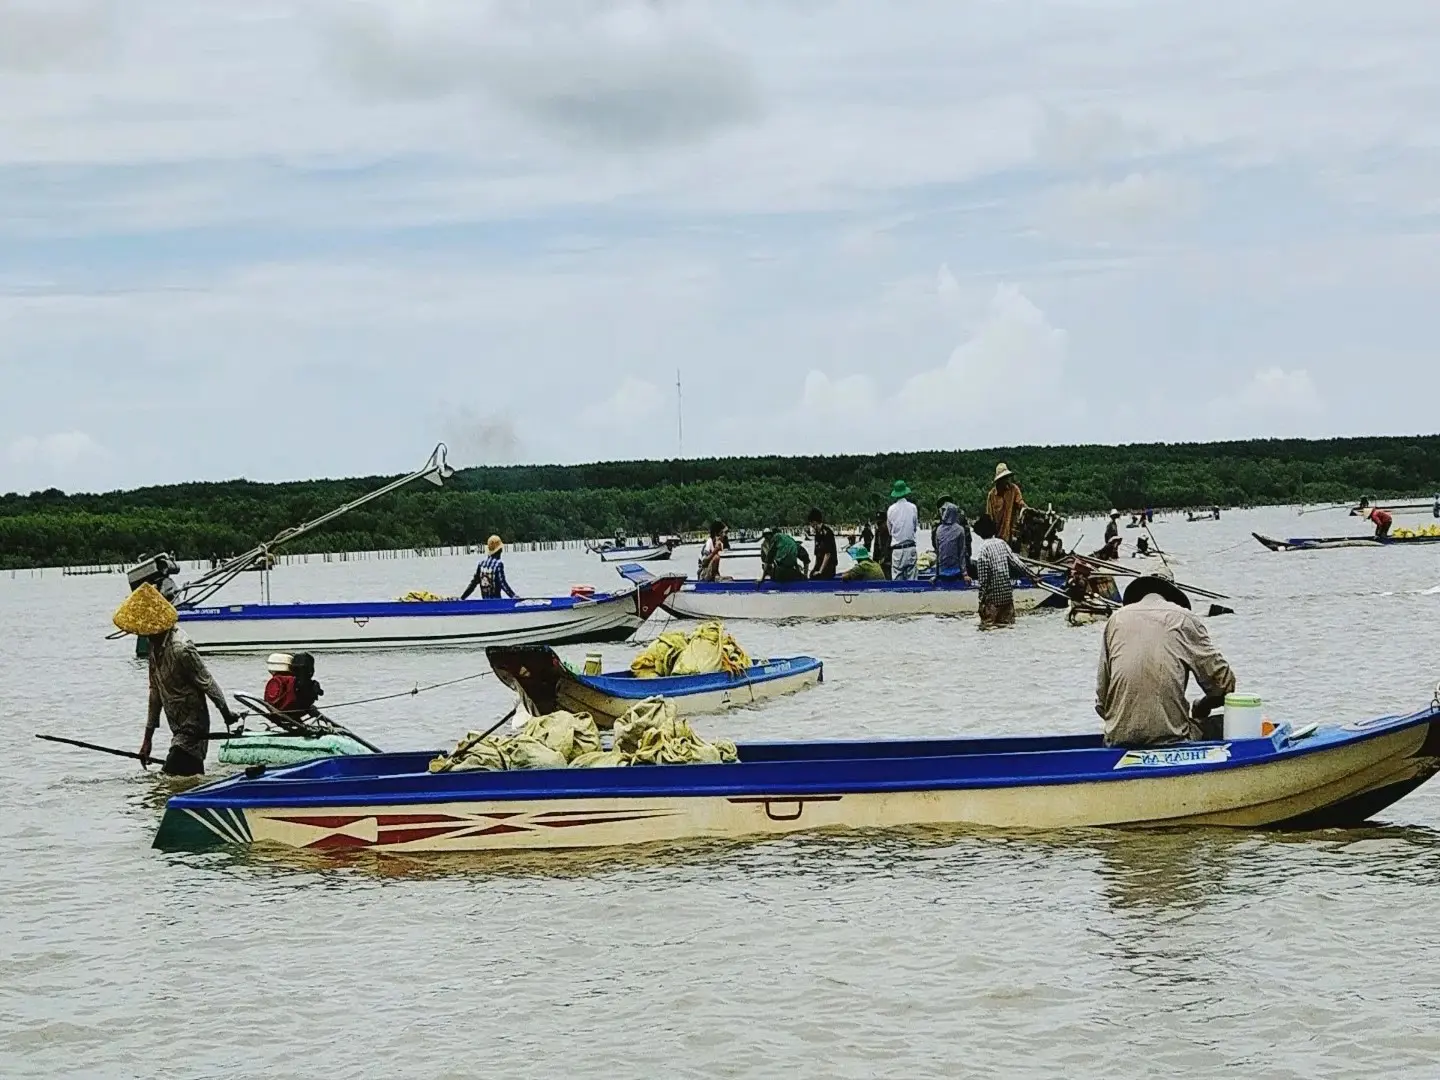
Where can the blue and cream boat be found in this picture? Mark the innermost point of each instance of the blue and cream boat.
(545, 683)
(391, 624)
(1329, 776)
(839, 599)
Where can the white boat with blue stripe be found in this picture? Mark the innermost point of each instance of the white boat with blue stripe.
(545, 683)
(836, 598)
(396, 624)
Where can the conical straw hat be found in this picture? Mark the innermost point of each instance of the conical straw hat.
(146, 612)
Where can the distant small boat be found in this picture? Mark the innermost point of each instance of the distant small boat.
(1318, 543)
(634, 552)
(397, 624)
(836, 598)
(1332, 776)
(545, 684)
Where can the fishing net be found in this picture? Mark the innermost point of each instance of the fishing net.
(651, 734)
(648, 734)
(658, 658)
(710, 649)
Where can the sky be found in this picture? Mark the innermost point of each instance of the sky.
(281, 240)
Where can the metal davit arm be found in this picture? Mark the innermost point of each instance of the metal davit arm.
(194, 593)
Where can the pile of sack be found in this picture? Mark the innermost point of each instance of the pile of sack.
(422, 596)
(1403, 533)
(708, 649)
(648, 734)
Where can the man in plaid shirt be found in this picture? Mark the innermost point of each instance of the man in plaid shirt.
(490, 574)
(995, 570)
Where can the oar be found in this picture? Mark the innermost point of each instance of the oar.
(132, 755)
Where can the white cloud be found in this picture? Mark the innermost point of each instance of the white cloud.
(48, 35)
(1136, 199)
(615, 75)
(1004, 384)
(633, 400)
(1274, 391)
(60, 448)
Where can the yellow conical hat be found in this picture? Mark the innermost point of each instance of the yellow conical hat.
(145, 611)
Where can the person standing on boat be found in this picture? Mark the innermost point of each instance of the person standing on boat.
(951, 541)
(867, 534)
(1151, 647)
(1381, 519)
(995, 568)
(179, 681)
(902, 521)
(881, 551)
(1003, 503)
(781, 558)
(490, 574)
(823, 569)
(711, 553)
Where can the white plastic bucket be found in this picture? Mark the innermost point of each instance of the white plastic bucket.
(1244, 713)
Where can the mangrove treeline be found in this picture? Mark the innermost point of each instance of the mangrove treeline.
(553, 502)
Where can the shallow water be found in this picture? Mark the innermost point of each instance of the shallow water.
(925, 953)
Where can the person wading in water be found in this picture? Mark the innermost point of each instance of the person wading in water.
(180, 682)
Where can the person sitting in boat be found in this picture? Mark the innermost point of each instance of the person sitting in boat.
(865, 568)
(881, 551)
(1381, 519)
(180, 682)
(490, 574)
(1003, 503)
(1142, 547)
(781, 558)
(823, 569)
(995, 568)
(714, 549)
(1151, 647)
(951, 541)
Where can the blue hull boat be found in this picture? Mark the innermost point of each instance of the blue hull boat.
(1327, 776)
(546, 684)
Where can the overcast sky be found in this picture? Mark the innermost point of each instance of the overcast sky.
(283, 240)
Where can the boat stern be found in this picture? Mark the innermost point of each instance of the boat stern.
(532, 671)
(651, 595)
(207, 828)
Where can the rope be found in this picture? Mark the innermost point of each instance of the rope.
(408, 693)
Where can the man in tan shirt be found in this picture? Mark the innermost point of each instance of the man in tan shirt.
(1152, 646)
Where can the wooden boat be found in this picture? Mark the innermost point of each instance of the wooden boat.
(395, 624)
(546, 684)
(634, 552)
(1318, 543)
(837, 599)
(1333, 776)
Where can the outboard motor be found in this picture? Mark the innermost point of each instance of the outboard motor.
(160, 571)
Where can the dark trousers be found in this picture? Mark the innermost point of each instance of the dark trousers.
(180, 762)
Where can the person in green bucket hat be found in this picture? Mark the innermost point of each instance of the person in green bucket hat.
(902, 519)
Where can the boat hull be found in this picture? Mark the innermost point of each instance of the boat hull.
(1340, 776)
(259, 628)
(840, 600)
(634, 554)
(1325, 543)
(545, 684)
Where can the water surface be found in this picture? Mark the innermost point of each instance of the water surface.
(924, 953)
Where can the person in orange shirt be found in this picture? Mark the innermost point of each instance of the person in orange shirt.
(1003, 503)
(1381, 519)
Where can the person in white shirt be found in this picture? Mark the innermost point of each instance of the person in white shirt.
(903, 519)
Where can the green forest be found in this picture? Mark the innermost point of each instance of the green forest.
(555, 502)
